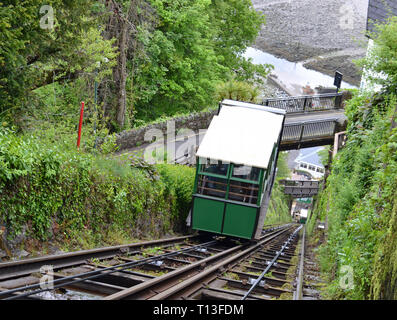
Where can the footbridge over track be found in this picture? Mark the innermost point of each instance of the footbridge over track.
(300, 188)
(311, 121)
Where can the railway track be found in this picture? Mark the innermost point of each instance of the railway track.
(309, 278)
(25, 274)
(266, 272)
(176, 268)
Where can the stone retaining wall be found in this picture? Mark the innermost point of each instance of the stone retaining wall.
(133, 138)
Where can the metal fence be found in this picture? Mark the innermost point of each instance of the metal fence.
(300, 188)
(300, 192)
(330, 101)
(300, 183)
(308, 130)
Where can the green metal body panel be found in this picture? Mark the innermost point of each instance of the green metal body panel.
(225, 215)
(240, 221)
(210, 217)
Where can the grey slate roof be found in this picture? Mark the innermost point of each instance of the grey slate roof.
(379, 11)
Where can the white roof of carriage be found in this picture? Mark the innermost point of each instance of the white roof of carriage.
(242, 133)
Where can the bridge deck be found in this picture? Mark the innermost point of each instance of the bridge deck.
(312, 129)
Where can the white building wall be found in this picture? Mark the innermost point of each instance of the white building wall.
(366, 85)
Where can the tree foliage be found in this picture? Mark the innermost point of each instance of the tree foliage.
(237, 90)
(359, 200)
(148, 58)
(131, 61)
(194, 46)
(32, 56)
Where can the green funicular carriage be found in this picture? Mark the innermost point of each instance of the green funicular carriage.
(303, 216)
(235, 170)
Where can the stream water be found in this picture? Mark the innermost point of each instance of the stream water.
(293, 75)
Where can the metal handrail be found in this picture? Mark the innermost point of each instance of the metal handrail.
(303, 130)
(299, 104)
(297, 123)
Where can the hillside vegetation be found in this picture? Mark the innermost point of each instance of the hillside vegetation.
(79, 198)
(360, 199)
(279, 206)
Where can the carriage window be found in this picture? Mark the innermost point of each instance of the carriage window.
(246, 172)
(210, 181)
(212, 186)
(243, 192)
(218, 168)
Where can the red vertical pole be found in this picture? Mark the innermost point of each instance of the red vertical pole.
(80, 124)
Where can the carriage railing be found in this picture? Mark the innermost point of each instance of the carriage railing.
(238, 191)
(329, 101)
(309, 130)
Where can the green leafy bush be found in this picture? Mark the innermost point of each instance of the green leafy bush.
(47, 191)
(179, 181)
(382, 58)
(278, 211)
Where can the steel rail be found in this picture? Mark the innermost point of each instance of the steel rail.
(94, 274)
(214, 269)
(258, 280)
(147, 284)
(298, 293)
(28, 266)
(156, 281)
